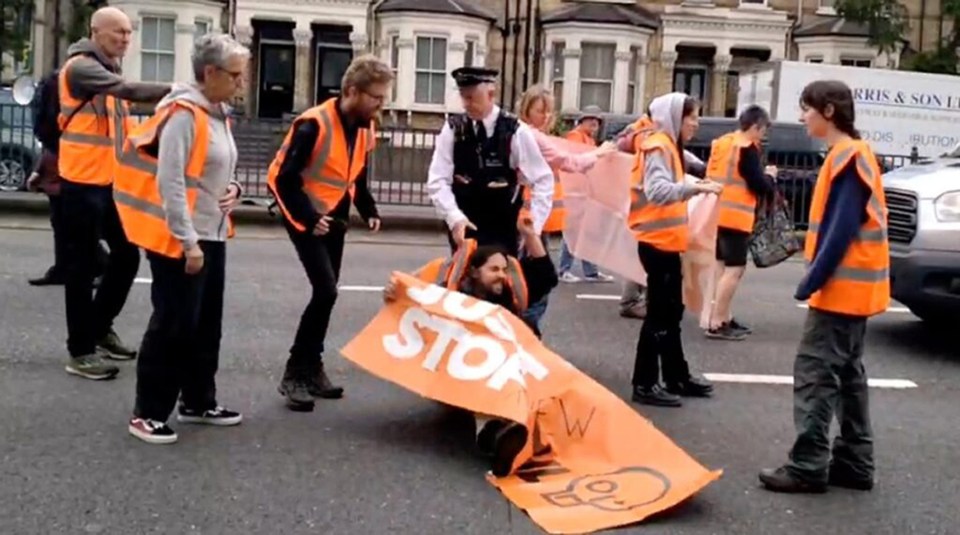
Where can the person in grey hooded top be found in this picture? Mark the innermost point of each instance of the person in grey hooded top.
(179, 354)
(677, 116)
(89, 214)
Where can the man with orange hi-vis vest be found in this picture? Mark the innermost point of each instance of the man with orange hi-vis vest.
(847, 281)
(174, 193)
(319, 168)
(735, 163)
(94, 119)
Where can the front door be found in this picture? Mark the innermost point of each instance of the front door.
(277, 62)
(332, 62)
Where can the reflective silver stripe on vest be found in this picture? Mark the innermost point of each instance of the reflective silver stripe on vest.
(131, 159)
(863, 167)
(119, 131)
(859, 274)
(660, 224)
(740, 207)
(139, 205)
(864, 235)
(517, 284)
(87, 139)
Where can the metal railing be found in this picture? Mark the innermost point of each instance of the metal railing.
(397, 171)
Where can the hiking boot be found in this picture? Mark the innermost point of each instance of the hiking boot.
(694, 387)
(115, 348)
(737, 326)
(295, 387)
(846, 478)
(507, 444)
(726, 332)
(655, 395)
(320, 386)
(215, 416)
(91, 367)
(780, 480)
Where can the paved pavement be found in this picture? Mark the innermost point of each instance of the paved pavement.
(382, 460)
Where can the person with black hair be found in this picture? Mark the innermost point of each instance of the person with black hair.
(847, 281)
(658, 219)
(496, 276)
(735, 162)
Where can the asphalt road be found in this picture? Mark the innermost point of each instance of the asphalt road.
(383, 460)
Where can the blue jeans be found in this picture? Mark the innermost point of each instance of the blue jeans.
(566, 262)
(535, 311)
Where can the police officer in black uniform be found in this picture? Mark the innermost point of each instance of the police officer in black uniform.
(482, 160)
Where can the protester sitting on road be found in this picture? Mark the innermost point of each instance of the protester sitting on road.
(488, 272)
(735, 162)
(179, 213)
(633, 297)
(847, 282)
(537, 110)
(658, 219)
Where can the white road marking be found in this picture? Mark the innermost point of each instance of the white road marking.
(788, 380)
(896, 310)
(599, 297)
(143, 280)
(349, 288)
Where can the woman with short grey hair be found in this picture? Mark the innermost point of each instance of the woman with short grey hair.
(179, 355)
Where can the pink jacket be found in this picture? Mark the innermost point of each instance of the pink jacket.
(559, 158)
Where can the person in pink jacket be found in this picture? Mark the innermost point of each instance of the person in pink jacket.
(536, 108)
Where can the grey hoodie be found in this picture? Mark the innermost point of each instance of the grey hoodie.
(659, 182)
(208, 222)
(97, 74)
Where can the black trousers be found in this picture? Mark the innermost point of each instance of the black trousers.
(59, 233)
(321, 257)
(180, 352)
(659, 341)
(829, 379)
(89, 214)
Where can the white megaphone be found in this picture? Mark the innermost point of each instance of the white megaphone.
(23, 90)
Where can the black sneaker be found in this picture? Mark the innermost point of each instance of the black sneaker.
(694, 387)
(737, 326)
(115, 348)
(726, 332)
(507, 444)
(215, 416)
(656, 395)
(53, 277)
(151, 431)
(320, 386)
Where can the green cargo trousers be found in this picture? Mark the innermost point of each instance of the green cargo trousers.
(829, 379)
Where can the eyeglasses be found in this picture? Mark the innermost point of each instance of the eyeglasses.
(236, 75)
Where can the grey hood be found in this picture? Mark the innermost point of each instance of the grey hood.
(192, 94)
(89, 48)
(667, 112)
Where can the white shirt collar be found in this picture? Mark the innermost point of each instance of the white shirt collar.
(490, 121)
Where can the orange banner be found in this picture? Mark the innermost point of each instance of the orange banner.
(591, 461)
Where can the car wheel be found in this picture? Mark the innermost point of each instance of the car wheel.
(15, 168)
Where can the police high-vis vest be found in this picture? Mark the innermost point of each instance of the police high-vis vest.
(136, 192)
(332, 171)
(738, 205)
(662, 226)
(449, 272)
(92, 135)
(861, 284)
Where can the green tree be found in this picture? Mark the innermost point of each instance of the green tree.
(16, 19)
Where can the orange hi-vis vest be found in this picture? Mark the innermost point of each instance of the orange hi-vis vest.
(449, 272)
(92, 133)
(738, 205)
(861, 284)
(558, 213)
(642, 128)
(331, 172)
(136, 192)
(662, 226)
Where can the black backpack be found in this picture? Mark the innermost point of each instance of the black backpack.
(46, 109)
